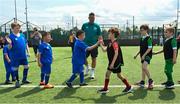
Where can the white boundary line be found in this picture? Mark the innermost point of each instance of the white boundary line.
(88, 86)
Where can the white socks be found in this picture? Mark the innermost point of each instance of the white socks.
(87, 69)
(92, 73)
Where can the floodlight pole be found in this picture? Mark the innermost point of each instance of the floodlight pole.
(15, 11)
(27, 30)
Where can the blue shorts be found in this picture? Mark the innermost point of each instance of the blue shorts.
(46, 68)
(78, 68)
(17, 63)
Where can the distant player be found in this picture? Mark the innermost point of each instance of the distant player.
(146, 55)
(170, 56)
(45, 60)
(7, 64)
(79, 58)
(115, 58)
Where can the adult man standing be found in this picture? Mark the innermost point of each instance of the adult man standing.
(93, 33)
(36, 40)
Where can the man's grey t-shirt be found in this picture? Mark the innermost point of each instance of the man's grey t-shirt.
(36, 39)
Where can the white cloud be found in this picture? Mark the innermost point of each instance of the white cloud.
(108, 11)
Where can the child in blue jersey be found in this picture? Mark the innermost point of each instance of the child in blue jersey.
(7, 64)
(45, 59)
(18, 46)
(78, 59)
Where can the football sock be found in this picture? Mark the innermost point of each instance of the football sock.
(81, 77)
(42, 77)
(25, 73)
(106, 82)
(126, 83)
(73, 76)
(47, 79)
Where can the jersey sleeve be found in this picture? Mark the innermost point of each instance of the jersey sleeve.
(115, 46)
(83, 46)
(149, 43)
(5, 50)
(40, 49)
(82, 28)
(174, 44)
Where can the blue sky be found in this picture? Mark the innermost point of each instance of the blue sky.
(59, 12)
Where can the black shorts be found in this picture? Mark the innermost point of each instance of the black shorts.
(94, 53)
(147, 59)
(115, 70)
(35, 48)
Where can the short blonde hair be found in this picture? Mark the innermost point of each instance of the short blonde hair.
(13, 25)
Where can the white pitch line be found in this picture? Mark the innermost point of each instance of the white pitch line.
(76, 86)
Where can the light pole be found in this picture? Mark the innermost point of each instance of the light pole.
(177, 17)
(15, 11)
(27, 30)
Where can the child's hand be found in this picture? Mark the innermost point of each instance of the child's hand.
(143, 57)
(39, 64)
(135, 57)
(111, 66)
(9, 61)
(174, 61)
(100, 40)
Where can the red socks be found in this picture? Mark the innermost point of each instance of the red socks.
(106, 82)
(126, 83)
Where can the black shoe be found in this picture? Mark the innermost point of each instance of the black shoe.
(103, 91)
(169, 85)
(13, 80)
(150, 84)
(17, 84)
(69, 84)
(141, 83)
(92, 77)
(128, 89)
(83, 84)
(7, 82)
(26, 82)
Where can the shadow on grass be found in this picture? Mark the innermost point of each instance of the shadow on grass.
(66, 93)
(139, 93)
(30, 92)
(7, 90)
(167, 94)
(107, 99)
(77, 80)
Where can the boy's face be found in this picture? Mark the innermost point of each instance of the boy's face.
(111, 35)
(82, 36)
(48, 38)
(168, 34)
(143, 32)
(16, 29)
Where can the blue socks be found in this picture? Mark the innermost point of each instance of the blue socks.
(7, 76)
(81, 77)
(73, 76)
(47, 79)
(16, 75)
(42, 77)
(25, 73)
